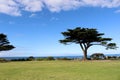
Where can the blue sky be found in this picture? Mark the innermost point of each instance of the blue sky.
(34, 26)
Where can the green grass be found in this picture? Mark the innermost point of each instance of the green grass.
(60, 70)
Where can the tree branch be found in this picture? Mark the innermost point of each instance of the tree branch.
(82, 47)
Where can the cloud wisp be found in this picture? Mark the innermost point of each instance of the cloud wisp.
(15, 7)
(117, 11)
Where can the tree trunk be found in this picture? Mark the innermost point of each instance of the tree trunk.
(85, 54)
(84, 49)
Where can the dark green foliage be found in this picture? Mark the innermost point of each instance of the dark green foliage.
(49, 58)
(3, 60)
(22, 59)
(97, 56)
(40, 59)
(86, 38)
(112, 57)
(31, 58)
(83, 35)
(64, 58)
(111, 46)
(4, 43)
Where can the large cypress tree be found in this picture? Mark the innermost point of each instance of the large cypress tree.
(86, 37)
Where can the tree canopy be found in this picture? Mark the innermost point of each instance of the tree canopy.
(4, 43)
(86, 37)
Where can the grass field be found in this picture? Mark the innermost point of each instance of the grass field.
(60, 70)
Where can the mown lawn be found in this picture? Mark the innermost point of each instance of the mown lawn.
(60, 70)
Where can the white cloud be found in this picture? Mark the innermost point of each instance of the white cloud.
(102, 3)
(31, 5)
(54, 19)
(32, 15)
(58, 5)
(9, 7)
(15, 7)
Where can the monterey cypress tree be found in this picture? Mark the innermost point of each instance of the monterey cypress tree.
(86, 37)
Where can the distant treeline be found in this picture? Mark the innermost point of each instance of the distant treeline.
(96, 56)
(31, 58)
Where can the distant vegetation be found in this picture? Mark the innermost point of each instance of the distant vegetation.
(95, 56)
(31, 58)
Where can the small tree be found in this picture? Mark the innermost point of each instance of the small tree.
(86, 38)
(4, 43)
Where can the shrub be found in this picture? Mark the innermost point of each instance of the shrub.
(64, 58)
(45, 58)
(112, 57)
(19, 59)
(3, 60)
(97, 56)
(31, 58)
(41, 59)
(50, 58)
